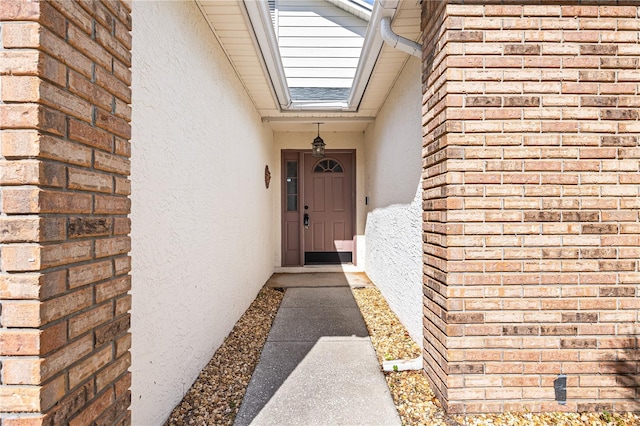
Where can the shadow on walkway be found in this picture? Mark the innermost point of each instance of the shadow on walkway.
(318, 366)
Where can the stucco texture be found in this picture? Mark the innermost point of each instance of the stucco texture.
(202, 216)
(393, 185)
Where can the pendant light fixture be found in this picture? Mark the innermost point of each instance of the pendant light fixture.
(317, 146)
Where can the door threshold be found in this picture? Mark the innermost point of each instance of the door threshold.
(347, 267)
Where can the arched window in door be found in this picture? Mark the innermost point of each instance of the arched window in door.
(328, 165)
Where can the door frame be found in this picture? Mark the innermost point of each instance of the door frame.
(283, 198)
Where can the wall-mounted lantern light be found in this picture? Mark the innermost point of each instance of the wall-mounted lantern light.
(317, 146)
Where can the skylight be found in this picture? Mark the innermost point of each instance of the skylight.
(320, 45)
(319, 54)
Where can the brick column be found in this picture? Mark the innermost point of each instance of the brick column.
(531, 200)
(64, 120)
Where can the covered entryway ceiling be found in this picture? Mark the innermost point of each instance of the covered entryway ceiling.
(246, 33)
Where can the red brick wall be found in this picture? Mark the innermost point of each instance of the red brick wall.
(64, 118)
(531, 200)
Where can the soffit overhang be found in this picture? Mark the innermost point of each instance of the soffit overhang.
(233, 27)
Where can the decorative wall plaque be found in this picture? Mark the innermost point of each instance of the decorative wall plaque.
(267, 176)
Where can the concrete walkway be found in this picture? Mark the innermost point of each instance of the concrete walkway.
(318, 366)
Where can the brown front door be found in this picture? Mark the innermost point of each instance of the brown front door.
(328, 208)
(317, 207)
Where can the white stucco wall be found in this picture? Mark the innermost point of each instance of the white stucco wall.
(302, 141)
(394, 214)
(202, 217)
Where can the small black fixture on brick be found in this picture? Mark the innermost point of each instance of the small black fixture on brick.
(560, 386)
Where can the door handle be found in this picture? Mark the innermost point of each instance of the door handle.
(306, 220)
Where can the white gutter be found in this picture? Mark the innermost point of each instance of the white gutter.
(260, 18)
(398, 42)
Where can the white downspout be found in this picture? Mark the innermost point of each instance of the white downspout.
(414, 49)
(398, 42)
(414, 364)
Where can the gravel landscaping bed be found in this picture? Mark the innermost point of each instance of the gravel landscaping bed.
(416, 403)
(215, 397)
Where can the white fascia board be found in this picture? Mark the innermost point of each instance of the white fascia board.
(260, 20)
(314, 119)
(370, 50)
(311, 106)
